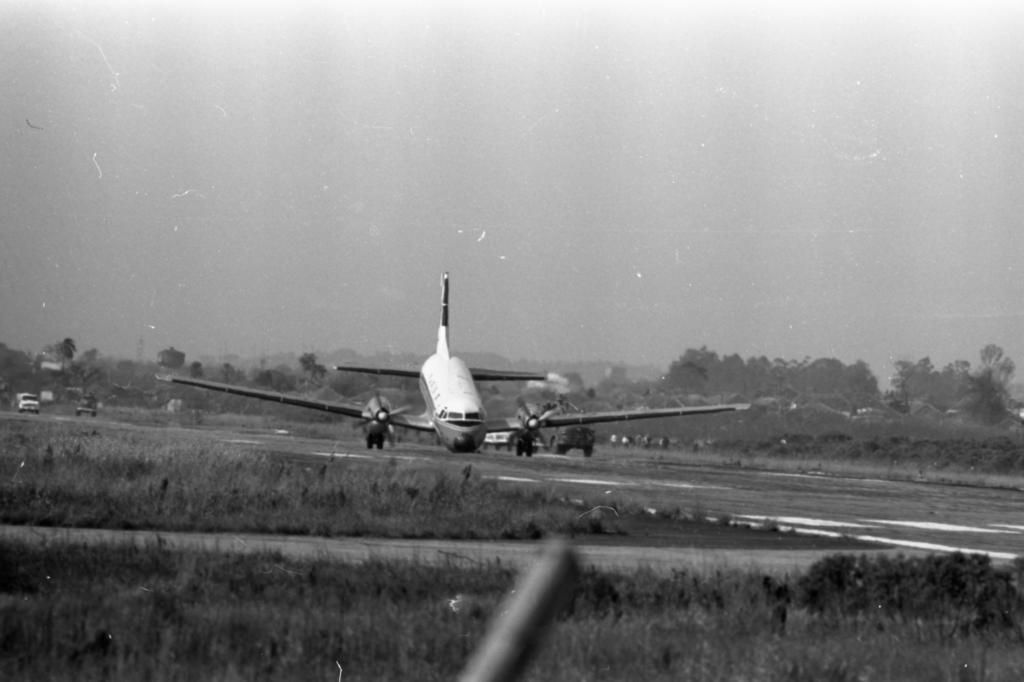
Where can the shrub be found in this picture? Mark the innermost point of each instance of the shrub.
(958, 594)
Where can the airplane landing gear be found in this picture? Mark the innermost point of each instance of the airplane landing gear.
(524, 446)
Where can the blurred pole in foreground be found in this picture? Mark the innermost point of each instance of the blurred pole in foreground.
(523, 617)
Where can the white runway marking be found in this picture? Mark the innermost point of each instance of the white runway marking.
(790, 474)
(1008, 526)
(663, 484)
(931, 525)
(242, 441)
(805, 521)
(910, 544)
(933, 547)
(587, 481)
(353, 455)
(822, 474)
(349, 455)
(687, 486)
(514, 479)
(817, 532)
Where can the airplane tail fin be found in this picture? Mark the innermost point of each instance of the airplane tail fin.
(442, 331)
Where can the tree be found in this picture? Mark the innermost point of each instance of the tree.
(66, 350)
(229, 374)
(921, 381)
(87, 370)
(279, 379)
(861, 381)
(15, 368)
(309, 365)
(910, 381)
(171, 358)
(195, 370)
(824, 375)
(691, 372)
(952, 384)
(988, 392)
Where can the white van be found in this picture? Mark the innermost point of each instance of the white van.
(28, 402)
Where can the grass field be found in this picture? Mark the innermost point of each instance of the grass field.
(74, 613)
(59, 474)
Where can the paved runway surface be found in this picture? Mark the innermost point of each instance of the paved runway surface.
(907, 516)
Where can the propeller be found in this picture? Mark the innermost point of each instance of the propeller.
(377, 420)
(378, 411)
(530, 416)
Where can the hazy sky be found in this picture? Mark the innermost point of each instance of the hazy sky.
(618, 181)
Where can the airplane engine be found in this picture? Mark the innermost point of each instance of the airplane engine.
(528, 416)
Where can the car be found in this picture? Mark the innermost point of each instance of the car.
(28, 402)
(499, 439)
(87, 405)
(570, 437)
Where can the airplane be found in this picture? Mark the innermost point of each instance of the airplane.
(454, 410)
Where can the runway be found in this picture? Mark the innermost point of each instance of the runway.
(895, 516)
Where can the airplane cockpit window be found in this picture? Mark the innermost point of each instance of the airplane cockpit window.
(464, 419)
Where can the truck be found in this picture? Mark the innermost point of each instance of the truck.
(499, 439)
(27, 402)
(569, 437)
(87, 405)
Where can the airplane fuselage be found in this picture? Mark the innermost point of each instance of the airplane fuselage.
(453, 403)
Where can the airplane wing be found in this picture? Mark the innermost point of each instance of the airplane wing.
(347, 409)
(631, 415)
(577, 418)
(417, 422)
(505, 375)
(508, 424)
(384, 371)
(478, 374)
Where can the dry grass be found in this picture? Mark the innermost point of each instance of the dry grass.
(70, 475)
(122, 613)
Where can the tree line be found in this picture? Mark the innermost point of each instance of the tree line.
(982, 391)
(704, 372)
